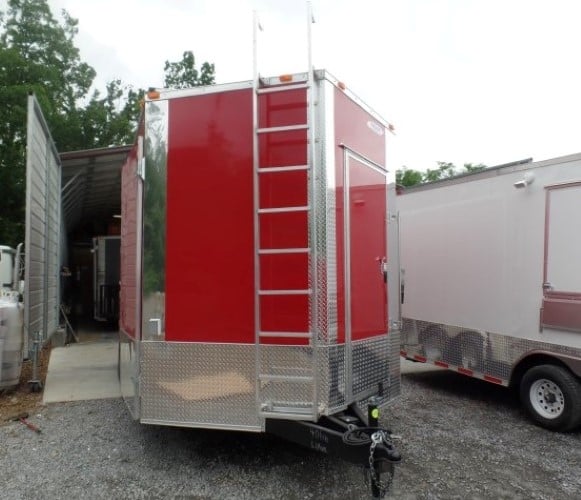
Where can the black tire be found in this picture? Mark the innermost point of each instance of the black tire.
(552, 397)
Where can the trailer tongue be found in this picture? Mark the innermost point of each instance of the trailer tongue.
(351, 437)
(259, 265)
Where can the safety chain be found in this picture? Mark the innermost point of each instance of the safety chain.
(383, 487)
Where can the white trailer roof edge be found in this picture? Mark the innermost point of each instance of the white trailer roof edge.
(495, 171)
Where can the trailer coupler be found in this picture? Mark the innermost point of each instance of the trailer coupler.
(350, 437)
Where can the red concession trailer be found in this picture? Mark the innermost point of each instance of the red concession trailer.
(259, 264)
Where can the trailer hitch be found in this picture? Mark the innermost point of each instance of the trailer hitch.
(352, 438)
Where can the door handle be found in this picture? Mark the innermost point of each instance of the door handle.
(383, 267)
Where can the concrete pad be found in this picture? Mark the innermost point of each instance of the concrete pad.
(408, 366)
(80, 372)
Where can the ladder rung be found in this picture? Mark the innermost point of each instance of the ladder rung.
(283, 251)
(285, 292)
(290, 168)
(287, 414)
(284, 378)
(283, 210)
(282, 88)
(291, 335)
(284, 128)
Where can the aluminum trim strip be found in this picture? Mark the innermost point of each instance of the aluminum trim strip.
(363, 159)
(296, 335)
(193, 424)
(286, 378)
(202, 90)
(286, 128)
(282, 88)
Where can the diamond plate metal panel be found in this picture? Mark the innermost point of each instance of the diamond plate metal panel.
(336, 378)
(484, 353)
(199, 385)
(371, 361)
(394, 387)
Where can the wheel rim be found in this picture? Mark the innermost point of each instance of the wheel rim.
(547, 398)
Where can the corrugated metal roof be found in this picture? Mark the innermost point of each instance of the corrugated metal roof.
(91, 184)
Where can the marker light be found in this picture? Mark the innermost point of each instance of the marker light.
(153, 94)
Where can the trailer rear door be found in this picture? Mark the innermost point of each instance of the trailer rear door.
(43, 203)
(367, 252)
(562, 273)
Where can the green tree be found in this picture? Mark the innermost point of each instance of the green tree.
(470, 167)
(409, 177)
(108, 120)
(183, 74)
(37, 54)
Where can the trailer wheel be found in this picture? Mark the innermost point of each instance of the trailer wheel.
(552, 397)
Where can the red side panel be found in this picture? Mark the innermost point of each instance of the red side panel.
(128, 289)
(210, 238)
(358, 130)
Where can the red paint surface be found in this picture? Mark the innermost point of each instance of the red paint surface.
(209, 247)
(128, 277)
(352, 129)
(210, 218)
(441, 364)
(283, 313)
(288, 313)
(494, 380)
(367, 205)
(465, 371)
(284, 230)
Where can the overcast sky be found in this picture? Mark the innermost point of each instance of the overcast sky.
(479, 81)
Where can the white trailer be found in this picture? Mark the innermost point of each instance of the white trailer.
(7, 256)
(491, 281)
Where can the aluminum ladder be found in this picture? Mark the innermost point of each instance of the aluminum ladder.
(286, 384)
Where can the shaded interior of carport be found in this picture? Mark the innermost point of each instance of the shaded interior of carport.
(91, 211)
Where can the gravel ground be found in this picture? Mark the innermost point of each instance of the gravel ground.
(460, 438)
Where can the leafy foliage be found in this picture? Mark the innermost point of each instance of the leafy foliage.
(408, 177)
(38, 54)
(183, 74)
